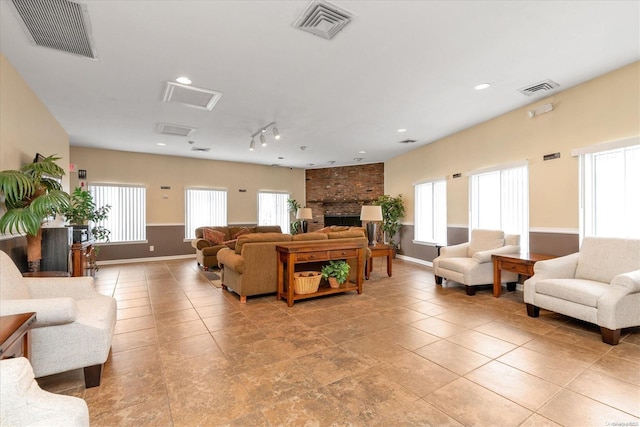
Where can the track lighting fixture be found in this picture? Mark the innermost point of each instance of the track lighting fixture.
(261, 132)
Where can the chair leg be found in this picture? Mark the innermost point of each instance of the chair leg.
(533, 311)
(243, 299)
(610, 336)
(438, 280)
(471, 290)
(511, 286)
(92, 375)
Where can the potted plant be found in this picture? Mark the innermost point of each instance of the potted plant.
(82, 210)
(30, 196)
(392, 211)
(293, 208)
(336, 272)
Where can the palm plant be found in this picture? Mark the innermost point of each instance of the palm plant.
(30, 196)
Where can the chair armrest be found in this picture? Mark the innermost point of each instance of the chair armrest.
(49, 311)
(61, 287)
(485, 256)
(230, 259)
(455, 251)
(200, 243)
(556, 268)
(630, 281)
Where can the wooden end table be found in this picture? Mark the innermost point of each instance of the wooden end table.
(380, 250)
(516, 263)
(15, 339)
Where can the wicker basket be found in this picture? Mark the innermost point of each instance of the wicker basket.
(306, 282)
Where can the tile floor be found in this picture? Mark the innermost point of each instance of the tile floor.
(405, 352)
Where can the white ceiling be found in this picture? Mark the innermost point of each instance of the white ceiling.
(399, 64)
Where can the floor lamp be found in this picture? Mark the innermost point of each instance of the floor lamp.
(304, 214)
(370, 215)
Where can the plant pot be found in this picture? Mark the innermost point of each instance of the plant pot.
(333, 282)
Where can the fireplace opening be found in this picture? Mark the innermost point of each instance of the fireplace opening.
(347, 220)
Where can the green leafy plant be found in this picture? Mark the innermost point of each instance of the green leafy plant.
(392, 210)
(30, 196)
(82, 210)
(293, 208)
(337, 269)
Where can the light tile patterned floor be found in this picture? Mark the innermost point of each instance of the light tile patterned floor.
(405, 352)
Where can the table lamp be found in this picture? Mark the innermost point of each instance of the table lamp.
(371, 214)
(304, 214)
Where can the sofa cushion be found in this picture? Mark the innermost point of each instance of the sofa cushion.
(309, 236)
(260, 237)
(240, 232)
(333, 228)
(268, 229)
(601, 259)
(214, 236)
(212, 250)
(346, 234)
(231, 244)
(483, 240)
(579, 291)
(456, 264)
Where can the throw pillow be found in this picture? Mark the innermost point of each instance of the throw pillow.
(231, 244)
(245, 230)
(214, 236)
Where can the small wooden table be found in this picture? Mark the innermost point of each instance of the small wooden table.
(83, 259)
(517, 263)
(15, 339)
(380, 250)
(298, 253)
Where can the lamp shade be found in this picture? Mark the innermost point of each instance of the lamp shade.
(371, 213)
(304, 213)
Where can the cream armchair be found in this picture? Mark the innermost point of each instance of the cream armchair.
(24, 403)
(599, 284)
(470, 263)
(74, 323)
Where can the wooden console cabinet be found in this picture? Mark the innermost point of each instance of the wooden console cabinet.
(291, 255)
(83, 259)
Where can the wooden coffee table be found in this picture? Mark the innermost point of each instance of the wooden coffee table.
(380, 250)
(15, 339)
(517, 263)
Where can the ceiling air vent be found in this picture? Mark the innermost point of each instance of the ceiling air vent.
(541, 87)
(200, 149)
(407, 141)
(323, 19)
(57, 24)
(175, 130)
(203, 99)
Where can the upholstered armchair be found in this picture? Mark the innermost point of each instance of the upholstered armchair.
(24, 403)
(599, 284)
(74, 323)
(470, 263)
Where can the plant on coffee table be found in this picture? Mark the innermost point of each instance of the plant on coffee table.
(336, 270)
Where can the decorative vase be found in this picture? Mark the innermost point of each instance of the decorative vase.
(333, 282)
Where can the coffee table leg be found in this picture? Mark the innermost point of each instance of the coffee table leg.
(497, 278)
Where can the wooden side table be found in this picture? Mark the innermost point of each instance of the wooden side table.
(380, 250)
(82, 255)
(517, 263)
(15, 339)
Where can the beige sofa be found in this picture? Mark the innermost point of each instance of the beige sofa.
(600, 284)
(206, 251)
(251, 268)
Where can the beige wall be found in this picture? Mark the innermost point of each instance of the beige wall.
(26, 125)
(604, 109)
(154, 171)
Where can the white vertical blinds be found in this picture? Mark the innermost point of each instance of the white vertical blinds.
(204, 207)
(611, 193)
(499, 200)
(430, 225)
(273, 210)
(127, 218)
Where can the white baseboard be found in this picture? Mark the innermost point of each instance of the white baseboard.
(415, 260)
(148, 259)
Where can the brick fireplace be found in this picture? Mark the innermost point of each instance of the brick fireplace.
(337, 194)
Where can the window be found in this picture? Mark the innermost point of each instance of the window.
(499, 200)
(273, 210)
(610, 184)
(431, 212)
(127, 219)
(204, 206)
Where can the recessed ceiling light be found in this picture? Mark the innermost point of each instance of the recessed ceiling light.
(482, 86)
(184, 80)
(402, 130)
(357, 159)
(362, 152)
(161, 144)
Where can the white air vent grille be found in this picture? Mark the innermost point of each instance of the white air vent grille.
(190, 96)
(175, 130)
(57, 24)
(543, 86)
(323, 19)
(202, 150)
